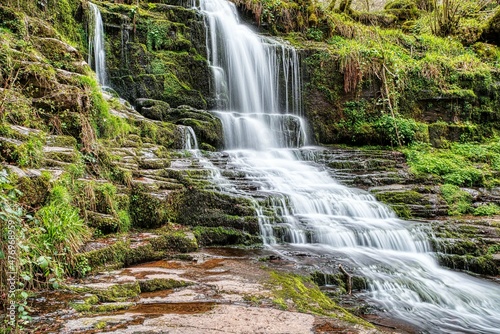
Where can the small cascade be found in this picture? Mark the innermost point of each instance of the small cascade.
(189, 141)
(97, 54)
(302, 208)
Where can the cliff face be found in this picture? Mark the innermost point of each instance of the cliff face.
(158, 52)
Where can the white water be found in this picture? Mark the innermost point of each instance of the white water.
(97, 54)
(257, 81)
(189, 140)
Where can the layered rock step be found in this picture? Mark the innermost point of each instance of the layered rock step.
(211, 291)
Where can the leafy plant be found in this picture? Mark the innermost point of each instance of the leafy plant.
(459, 201)
(489, 209)
(30, 153)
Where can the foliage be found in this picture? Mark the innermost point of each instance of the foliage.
(459, 201)
(399, 130)
(30, 153)
(489, 209)
(56, 236)
(458, 165)
(12, 226)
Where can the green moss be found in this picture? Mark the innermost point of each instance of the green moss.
(223, 236)
(112, 293)
(489, 209)
(482, 265)
(174, 241)
(114, 254)
(30, 153)
(147, 210)
(85, 304)
(35, 190)
(110, 307)
(105, 224)
(397, 197)
(454, 165)
(159, 284)
(196, 207)
(306, 297)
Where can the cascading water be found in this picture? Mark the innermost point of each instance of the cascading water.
(97, 54)
(190, 142)
(257, 81)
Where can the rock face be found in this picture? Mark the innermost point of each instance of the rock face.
(158, 52)
(208, 128)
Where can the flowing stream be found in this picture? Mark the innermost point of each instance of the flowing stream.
(258, 85)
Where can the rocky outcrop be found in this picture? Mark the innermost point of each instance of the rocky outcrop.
(157, 51)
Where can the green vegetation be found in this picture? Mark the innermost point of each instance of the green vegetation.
(468, 164)
(294, 292)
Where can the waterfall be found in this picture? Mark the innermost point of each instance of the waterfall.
(257, 83)
(259, 90)
(189, 141)
(97, 55)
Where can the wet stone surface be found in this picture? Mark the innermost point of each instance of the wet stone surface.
(213, 291)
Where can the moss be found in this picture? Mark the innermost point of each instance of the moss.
(196, 207)
(492, 30)
(174, 241)
(398, 197)
(111, 293)
(159, 284)
(105, 224)
(85, 304)
(114, 254)
(34, 189)
(306, 297)
(30, 153)
(482, 265)
(222, 236)
(459, 201)
(147, 210)
(404, 10)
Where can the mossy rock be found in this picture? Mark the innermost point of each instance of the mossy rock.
(114, 254)
(111, 307)
(174, 241)
(12, 20)
(61, 54)
(491, 33)
(111, 292)
(148, 210)
(484, 265)
(223, 236)
(154, 163)
(8, 149)
(401, 197)
(34, 189)
(62, 141)
(404, 10)
(106, 224)
(195, 207)
(159, 284)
